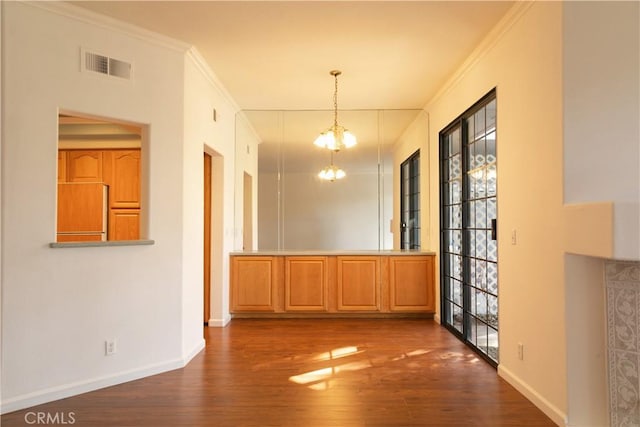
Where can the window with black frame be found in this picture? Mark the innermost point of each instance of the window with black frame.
(410, 202)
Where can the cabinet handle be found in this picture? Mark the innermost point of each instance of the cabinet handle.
(494, 229)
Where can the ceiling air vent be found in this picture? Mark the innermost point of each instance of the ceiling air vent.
(105, 65)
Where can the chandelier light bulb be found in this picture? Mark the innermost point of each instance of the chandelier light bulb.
(331, 173)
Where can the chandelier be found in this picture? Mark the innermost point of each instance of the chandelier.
(331, 172)
(335, 138)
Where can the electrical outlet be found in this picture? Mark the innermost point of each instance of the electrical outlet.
(520, 351)
(110, 347)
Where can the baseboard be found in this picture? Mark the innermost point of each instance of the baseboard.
(436, 318)
(550, 410)
(194, 351)
(220, 323)
(72, 389)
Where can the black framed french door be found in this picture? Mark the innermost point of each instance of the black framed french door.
(410, 202)
(468, 228)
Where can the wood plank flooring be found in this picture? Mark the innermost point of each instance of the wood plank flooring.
(313, 373)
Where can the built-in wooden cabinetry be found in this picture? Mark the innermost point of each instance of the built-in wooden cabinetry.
(254, 283)
(119, 169)
(295, 284)
(84, 165)
(358, 283)
(411, 283)
(122, 174)
(124, 224)
(306, 281)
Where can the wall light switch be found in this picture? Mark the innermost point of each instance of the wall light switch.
(514, 237)
(520, 351)
(110, 347)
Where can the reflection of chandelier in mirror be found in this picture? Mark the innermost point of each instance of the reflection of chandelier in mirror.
(335, 138)
(331, 172)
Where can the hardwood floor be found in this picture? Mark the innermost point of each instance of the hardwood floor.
(312, 373)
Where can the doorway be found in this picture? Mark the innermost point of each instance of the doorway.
(207, 238)
(247, 215)
(468, 227)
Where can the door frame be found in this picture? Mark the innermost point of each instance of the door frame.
(207, 238)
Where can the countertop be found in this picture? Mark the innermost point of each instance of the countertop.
(310, 252)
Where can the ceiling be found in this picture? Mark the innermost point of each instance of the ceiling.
(277, 55)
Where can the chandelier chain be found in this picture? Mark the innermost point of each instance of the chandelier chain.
(335, 102)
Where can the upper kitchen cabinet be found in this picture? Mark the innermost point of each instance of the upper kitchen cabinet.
(84, 166)
(122, 173)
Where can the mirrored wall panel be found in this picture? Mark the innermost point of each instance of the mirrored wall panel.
(299, 210)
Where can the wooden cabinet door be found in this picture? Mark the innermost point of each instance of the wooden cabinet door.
(124, 178)
(359, 283)
(411, 283)
(62, 166)
(253, 283)
(84, 166)
(306, 283)
(124, 224)
(79, 238)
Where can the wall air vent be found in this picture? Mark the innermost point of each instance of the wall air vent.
(105, 65)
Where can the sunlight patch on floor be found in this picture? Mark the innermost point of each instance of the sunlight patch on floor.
(322, 379)
(337, 353)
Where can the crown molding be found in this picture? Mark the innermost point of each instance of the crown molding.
(201, 64)
(512, 16)
(95, 19)
(242, 117)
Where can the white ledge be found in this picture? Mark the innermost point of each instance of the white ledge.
(101, 243)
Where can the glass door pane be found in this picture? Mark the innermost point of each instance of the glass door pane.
(451, 183)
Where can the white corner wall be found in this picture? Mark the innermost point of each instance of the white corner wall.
(601, 45)
(246, 160)
(203, 94)
(587, 388)
(601, 97)
(60, 305)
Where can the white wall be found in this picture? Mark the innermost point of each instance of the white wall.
(545, 162)
(601, 96)
(60, 305)
(601, 64)
(522, 58)
(587, 404)
(202, 133)
(246, 156)
(202, 96)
